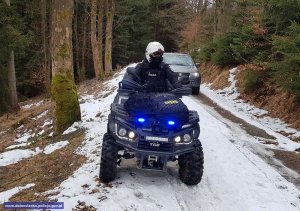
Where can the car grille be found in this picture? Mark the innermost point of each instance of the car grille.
(163, 147)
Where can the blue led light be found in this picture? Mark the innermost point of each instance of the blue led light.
(171, 123)
(141, 120)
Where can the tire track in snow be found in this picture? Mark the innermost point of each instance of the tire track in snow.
(251, 137)
(238, 166)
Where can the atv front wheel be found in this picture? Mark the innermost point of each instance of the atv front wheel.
(109, 157)
(195, 90)
(191, 166)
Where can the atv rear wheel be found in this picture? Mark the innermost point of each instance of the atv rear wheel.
(191, 166)
(109, 157)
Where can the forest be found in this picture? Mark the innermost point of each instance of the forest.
(47, 47)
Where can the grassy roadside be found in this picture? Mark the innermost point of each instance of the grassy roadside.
(46, 171)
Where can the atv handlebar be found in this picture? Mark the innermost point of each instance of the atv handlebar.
(182, 91)
(132, 86)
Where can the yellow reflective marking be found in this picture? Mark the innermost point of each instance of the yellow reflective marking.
(171, 102)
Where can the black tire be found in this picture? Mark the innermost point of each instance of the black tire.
(109, 158)
(195, 90)
(191, 166)
(109, 119)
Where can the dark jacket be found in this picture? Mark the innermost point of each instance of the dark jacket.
(154, 78)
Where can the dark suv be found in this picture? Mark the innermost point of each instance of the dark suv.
(183, 64)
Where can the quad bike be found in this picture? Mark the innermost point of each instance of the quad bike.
(154, 133)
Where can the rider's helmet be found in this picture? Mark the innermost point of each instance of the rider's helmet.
(154, 52)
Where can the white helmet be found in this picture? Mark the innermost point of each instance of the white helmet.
(154, 47)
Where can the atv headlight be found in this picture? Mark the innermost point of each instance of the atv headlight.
(187, 138)
(122, 132)
(177, 139)
(131, 134)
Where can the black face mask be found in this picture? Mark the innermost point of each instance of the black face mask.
(155, 61)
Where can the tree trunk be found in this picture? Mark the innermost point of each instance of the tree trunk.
(3, 91)
(204, 8)
(100, 33)
(225, 16)
(76, 39)
(94, 41)
(222, 16)
(83, 49)
(45, 46)
(7, 2)
(199, 6)
(64, 95)
(216, 18)
(12, 85)
(110, 9)
(49, 18)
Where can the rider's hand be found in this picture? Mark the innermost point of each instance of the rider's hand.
(146, 86)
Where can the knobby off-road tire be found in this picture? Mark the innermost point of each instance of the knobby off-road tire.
(109, 157)
(191, 166)
(195, 90)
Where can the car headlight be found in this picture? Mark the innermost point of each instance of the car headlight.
(194, 75)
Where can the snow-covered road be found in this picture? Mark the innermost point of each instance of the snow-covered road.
(234, 177)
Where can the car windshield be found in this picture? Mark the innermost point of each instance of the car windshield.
(178, 59)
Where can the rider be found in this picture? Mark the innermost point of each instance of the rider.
(153, 73)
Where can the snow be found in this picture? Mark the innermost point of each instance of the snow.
(20, 127)
(232, 89)
(4, 196)
(93, 107)
(250, 179)
(24, 137)
(14, 156)
(32, 105)
(52, 147)
(41, 132)
(22, 140)
(17, 145)
(71, 129)
(41, 115)
(47, 123)
(228, 99)
(2, 132)
(234, 177)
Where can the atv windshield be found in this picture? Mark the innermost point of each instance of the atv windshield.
(178, 59)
